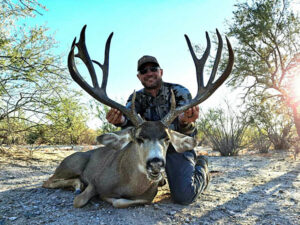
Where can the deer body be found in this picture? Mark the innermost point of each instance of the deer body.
(116, 173)
(123, 176)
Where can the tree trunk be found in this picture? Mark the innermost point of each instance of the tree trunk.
(296, 119)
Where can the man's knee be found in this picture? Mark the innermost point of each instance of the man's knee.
(183, 196)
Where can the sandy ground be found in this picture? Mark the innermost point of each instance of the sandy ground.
(247, 189)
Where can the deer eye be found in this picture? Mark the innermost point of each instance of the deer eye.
(140, 140)
(167, 139)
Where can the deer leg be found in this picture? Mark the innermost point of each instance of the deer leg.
(124, 203)
(85, 196)
(62, 183)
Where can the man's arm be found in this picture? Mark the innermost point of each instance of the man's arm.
(186, 120)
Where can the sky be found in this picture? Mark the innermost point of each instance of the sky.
(140, 28)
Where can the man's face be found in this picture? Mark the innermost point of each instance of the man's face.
(150, 79)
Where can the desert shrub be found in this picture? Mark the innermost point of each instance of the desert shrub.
(273, 122)
(88, 137)
(224, 129)
(261, 143)
(37, 135)
(12, 131)
(282, 139)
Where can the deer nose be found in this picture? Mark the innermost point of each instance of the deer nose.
(155, 164)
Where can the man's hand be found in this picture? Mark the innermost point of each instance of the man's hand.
(115, 116)
(189, 116)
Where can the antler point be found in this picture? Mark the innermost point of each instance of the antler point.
(73, 43)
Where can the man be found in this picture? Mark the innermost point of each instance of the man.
(187, 175)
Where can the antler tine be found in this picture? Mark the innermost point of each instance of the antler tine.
(104, 66)
(134, 117)
(204, 92)
(199, 63)
(74, 72)
(172, 114)
(84, 56)
(95, 91)
(217, 59)
(228, 68)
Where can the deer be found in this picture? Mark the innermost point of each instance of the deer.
(129, 167)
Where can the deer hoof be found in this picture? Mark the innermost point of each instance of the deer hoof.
(77, 191)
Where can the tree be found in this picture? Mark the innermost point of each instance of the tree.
(267, 51)
(32, 76)
(67, 121)
(19, 8)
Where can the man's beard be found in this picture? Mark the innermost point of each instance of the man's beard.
(155, 85)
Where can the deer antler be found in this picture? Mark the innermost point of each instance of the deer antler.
(97, 92)
(203, 91)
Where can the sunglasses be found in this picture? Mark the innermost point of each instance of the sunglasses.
(152, 69)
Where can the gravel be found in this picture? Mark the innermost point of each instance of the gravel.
(246, 189)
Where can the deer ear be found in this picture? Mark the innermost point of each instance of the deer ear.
(182, 142)
(117, 140)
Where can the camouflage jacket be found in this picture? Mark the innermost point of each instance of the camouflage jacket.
(155, 108)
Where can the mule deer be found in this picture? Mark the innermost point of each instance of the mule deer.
(127, 170)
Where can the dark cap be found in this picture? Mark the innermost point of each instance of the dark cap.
(146, 59)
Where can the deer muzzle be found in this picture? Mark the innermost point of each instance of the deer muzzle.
(155, 167)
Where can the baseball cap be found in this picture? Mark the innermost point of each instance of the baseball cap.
(146, 59)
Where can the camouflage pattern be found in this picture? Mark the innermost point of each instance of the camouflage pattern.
(155, 108)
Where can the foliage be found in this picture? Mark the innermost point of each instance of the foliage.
(100, 110)
(32, 77)
(19, 8)
(267, 52)
(7, 128)
(224, 130)
(67, 121)
(88, 136)
(37, 135)
(273, 123)
(66, 124)
(260, 141)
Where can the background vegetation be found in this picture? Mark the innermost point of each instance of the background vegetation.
(265, 38)
(38, 106)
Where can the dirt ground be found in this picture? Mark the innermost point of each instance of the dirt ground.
(246, 189)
